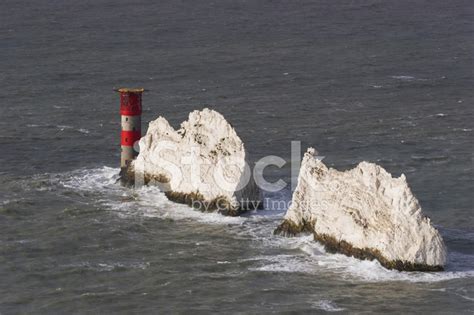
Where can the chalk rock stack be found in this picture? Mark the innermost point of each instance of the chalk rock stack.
(366, 213)
(203, 164)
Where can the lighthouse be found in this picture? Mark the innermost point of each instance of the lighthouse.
(131, 111)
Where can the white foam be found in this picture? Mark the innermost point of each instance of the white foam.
(63, 127)
(283, 263)
(350, 268)
(109, 266)
(96, 180)
(465, 297)
(145, 201)
(327, 305)
(403, 77)
(151, 202)
(307, 256)
(83, 130)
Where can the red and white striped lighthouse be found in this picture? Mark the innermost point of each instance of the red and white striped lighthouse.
(131, 111)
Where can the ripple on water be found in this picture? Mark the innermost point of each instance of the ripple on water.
(327, 305)
(307, 255)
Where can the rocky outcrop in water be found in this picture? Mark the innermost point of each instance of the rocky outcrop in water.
(202, 164)
(366, 213)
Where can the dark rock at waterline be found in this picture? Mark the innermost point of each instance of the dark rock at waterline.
(290, 229)
(194, 199)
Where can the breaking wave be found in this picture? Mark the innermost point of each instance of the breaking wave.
(313, 259)
(145, 201)
(307, 256)
(327, 306)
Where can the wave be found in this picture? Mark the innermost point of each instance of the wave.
(307, 256)
(60, 127)
(109, 266)
(327, 305)
(403, 77)
(313, 259)
(145, 201)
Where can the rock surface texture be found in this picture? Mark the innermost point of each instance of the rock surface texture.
(202, 164)
(366, 213)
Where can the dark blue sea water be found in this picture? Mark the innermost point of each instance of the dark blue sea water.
(383, 81)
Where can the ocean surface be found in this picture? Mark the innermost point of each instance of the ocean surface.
(389, 82)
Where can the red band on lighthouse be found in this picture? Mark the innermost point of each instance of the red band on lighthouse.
(131, 102)
(129, 137)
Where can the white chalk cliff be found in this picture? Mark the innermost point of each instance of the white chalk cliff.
(203, 161)
(366, 213)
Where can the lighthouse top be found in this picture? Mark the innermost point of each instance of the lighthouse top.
(127, 90)
(130, 101)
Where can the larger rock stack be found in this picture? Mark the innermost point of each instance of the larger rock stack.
(365, 213)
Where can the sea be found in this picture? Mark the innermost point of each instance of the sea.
(389, 82)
